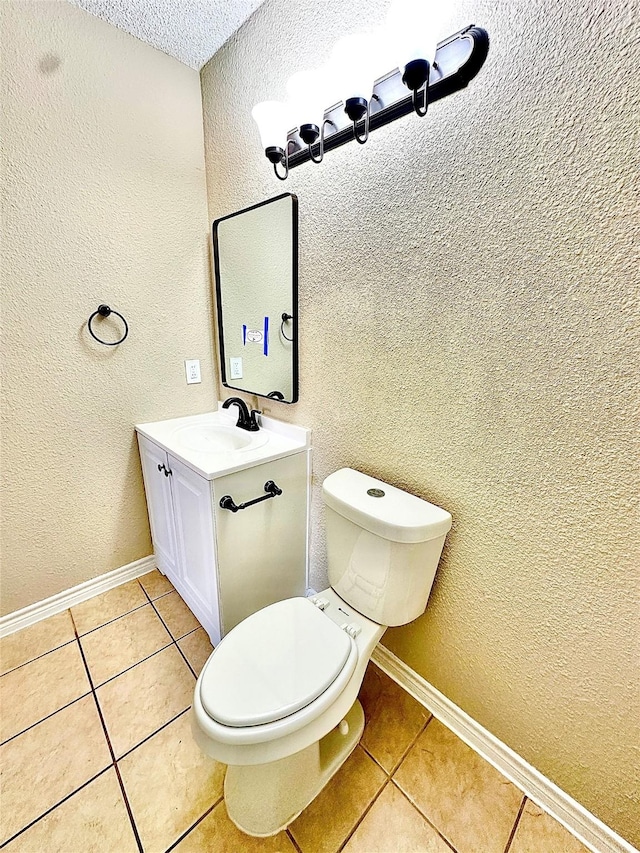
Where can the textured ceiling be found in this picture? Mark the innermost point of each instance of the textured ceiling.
(190, 30)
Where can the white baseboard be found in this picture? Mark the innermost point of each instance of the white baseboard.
(63, 600)
(585, 826)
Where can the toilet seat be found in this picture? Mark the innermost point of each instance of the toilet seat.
(275, 663)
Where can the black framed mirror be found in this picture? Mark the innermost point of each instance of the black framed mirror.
(255, 254)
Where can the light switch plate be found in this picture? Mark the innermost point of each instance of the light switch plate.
(192, 369)
(235, 368)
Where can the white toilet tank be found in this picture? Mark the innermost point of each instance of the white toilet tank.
(383, 546)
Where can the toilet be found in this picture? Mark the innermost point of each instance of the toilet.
(277, 699)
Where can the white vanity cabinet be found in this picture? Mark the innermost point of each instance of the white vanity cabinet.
(261, 550)
(179, 503)
(157, 488)
(226, 565)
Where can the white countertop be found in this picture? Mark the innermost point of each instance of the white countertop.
(282, 439)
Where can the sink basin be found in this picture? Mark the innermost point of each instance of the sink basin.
(217, 438)
(212, 445)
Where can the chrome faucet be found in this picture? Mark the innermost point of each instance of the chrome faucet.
(246, 420)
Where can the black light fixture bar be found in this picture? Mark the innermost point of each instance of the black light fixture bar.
(458, 59)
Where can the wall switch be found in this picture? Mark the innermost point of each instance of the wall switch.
(192, 369)
(235, 368)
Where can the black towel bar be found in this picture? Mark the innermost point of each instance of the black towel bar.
(270, 488)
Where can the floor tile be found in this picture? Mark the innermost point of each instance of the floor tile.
(156, 584)
(39, 688)
(48, 762)
(540, 832)
(197, 648)
(138, 702)
(393, 718)
(94, 820)
(468, 801)
(35, 640)
(107, 606)
(126, 641)
(217, 832)
(176, 615)
(170, 783)
(394, 826)
(327, 821)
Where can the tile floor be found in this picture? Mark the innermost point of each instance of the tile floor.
(96, 753)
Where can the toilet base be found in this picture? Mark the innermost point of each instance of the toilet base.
(263, 799)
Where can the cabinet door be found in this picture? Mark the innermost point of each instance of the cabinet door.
(262, 550)
(195, 544)
(158, 493)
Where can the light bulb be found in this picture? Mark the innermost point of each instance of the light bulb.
(412, 27)
(353, 63)
(307, 97)
(273, 120)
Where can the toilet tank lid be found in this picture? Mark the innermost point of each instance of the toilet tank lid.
(395, 515)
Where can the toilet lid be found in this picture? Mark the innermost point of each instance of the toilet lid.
(272, 664)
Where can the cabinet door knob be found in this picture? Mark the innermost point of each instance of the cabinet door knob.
(167, 471)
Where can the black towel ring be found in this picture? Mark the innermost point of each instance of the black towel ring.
(104, 311)
(285, 318)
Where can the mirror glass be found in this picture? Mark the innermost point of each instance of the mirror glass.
(256, 269)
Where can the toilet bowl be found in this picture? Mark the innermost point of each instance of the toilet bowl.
(277, 699)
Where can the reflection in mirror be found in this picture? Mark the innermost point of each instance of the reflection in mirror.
(256, 268)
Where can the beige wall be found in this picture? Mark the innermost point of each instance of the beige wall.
(467, 296)
(104, 201)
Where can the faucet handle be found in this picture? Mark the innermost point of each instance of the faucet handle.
(254, 423)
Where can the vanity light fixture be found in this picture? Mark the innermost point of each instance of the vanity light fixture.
(414, 46)
(306, 97)
(272, 118)
(428, 68)
(353, 59)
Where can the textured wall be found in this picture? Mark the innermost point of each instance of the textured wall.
(468, 284)
(104, 201)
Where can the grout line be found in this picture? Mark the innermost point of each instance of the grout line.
(99, 709)
(390, 774)
(373, 758)
(406, 795)
(109, 621)
(52, 714)
(364, 814)
(153, 734)
(168, 592)
(52, 808)
(133, 665)
(411, 745)
(515, 824)
(176, 642)
(193, 826)
(37, 657)
(414, 805)
(292, 839)
(192, 631)
(424, 817)
(159, 615)
(184, 657)
(111, 750)
(136, 834)
(186, 660)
